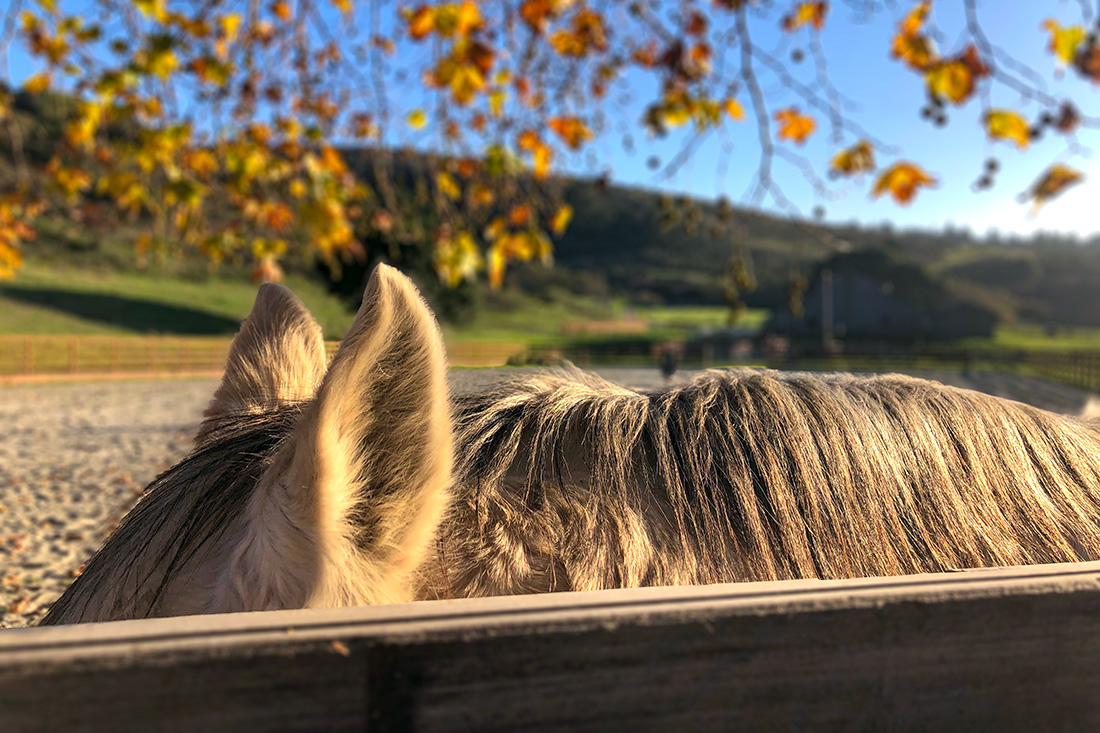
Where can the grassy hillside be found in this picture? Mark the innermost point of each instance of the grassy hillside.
(625, 247)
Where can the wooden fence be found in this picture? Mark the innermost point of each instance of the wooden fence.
(58, 356)
(93, 356)
(1014, 649)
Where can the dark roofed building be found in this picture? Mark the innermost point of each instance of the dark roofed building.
(872, 296)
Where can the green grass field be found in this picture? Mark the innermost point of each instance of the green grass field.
(53, 300)
(1035, 338)
(49, 298)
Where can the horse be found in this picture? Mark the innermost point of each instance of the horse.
(365, 482)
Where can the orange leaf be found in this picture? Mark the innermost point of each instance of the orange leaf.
(421, 22)
(794, 126)
(812, 13)
(587, 32)
(901, 181)
(530, 141)
(1054, 182)
(697, 24)
(734, 109)
(915, 50)
(519, 215)
(914, 21)
(536, 12)
(854, 160)
(570, 129)
(281, 10)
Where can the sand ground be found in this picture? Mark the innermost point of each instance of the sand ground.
(74, 458)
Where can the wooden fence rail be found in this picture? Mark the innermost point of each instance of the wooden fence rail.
(30, 356)
(1012, 649)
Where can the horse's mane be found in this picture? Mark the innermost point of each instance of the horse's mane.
(566, 481)
(182, 512)
(758, 475)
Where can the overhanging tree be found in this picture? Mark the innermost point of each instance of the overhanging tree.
(227, 124)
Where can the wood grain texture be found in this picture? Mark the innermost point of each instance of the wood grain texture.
(1011, 649)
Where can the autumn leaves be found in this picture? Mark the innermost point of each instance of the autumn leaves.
(235, 120)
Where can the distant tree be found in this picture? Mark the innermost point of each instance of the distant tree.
(222, 122)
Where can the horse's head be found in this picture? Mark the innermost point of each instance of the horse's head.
(307, 486)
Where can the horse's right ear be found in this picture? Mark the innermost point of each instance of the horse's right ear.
(277, 358)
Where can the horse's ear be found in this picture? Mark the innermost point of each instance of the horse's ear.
(352, 502)
(277, 358)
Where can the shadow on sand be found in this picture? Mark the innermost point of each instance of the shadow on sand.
(131, 313)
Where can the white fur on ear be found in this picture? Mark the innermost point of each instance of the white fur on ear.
(278, 357)
(351, 504)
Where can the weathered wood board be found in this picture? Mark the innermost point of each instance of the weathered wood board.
(1008, 649)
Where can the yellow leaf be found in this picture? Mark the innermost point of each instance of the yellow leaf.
(344, 6)
(466, 81)
(1064, 42)
(902, 180)
(952, 80)
(496, 102)
(1008, 125)
(230, 25)
(456, 258)
(152, 9)
(417, 119)
(37, 83)
(812, 13)
(734, 109)
(448, 185)
(956, 78)
(561, 219)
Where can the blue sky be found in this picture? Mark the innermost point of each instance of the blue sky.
(886, 99)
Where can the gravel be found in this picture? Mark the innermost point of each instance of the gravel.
(74, 458)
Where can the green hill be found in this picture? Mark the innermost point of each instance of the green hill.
(626, 246)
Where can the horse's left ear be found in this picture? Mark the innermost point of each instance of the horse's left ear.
(277, 358)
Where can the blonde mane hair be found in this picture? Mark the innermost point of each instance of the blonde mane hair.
(338, 485)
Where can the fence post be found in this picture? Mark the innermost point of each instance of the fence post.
(74, 358)
(28, 356)
(116, 356)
